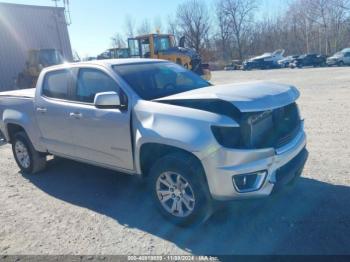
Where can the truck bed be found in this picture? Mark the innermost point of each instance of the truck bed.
(24, 93)
(14, 103)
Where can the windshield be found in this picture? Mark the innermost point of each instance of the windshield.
(50, 57)
(278, 52)
(159, 79)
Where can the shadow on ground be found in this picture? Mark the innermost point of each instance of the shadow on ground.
(310, 218)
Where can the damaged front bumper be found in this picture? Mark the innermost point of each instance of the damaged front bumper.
(242, 174)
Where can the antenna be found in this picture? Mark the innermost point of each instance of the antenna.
(66, 6)
(67, 11)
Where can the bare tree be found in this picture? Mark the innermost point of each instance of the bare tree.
(157, 24)
(305, 26)
(240, 15)
(129, 26)
(172, 27)
(144, 28)
(224, 33)
(193, 21)
(320, 24)
(117, 41)
(339, 15)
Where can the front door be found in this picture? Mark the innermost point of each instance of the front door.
(102, 136)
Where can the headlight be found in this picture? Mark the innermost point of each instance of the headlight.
(229, 137)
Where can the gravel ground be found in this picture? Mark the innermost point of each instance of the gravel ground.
(73, 208)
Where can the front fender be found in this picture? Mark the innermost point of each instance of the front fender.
(184, 128)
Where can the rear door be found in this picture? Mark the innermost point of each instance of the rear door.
(52, 107)
(101, 136)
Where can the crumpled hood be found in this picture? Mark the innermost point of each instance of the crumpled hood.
(246, 97)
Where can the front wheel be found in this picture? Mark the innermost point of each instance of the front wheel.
(180, 190)
(28, 159)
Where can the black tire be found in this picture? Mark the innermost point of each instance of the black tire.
(341, 63)
(37, 161)
(190, 169)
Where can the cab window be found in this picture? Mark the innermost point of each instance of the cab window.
(56, 84)
(162, 43)
(92, 81)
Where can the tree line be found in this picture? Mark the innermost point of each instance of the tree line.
(232, 30)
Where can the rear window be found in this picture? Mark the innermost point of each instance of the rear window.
(56, 84)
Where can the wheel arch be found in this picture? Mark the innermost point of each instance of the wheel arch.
(12, 129)
(151, 152)
(14, 120)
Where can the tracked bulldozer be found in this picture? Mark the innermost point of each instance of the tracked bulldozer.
(37, 60)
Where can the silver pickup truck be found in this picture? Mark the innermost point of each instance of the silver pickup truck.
(195, 143)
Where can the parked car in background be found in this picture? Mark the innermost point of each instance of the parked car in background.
(340, 59)
(114, 53)
(265, 61)
(315, 60)
(235, 65)
(283, 63)
(193, 142)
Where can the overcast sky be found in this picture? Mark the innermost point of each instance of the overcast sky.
(94, 22)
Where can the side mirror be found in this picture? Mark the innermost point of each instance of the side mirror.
(107, 100)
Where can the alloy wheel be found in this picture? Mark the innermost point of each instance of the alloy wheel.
(22, 154)
(175, 194)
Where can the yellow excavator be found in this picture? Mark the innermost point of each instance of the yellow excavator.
(36, 61)
(162, 46)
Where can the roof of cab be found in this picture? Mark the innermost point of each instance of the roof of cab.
(107, 62)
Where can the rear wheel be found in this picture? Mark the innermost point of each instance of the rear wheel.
(180, 190)
(341, 63)
(28, 159)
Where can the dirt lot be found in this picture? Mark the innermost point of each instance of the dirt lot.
(78, 209)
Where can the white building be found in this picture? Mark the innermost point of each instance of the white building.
(25, 27)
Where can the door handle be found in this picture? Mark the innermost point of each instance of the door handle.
(75, 115)
(41, 109)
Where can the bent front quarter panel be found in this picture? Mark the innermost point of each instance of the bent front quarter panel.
(185, 128)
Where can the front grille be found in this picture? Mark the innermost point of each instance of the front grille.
(273, 128)
(282, 141)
